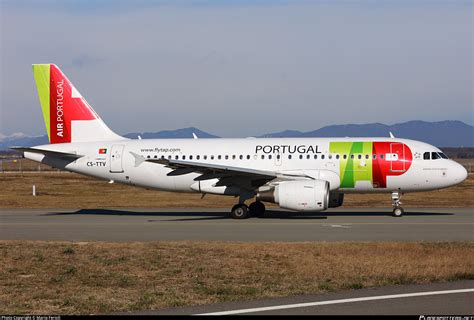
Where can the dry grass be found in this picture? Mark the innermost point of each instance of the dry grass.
(91, 277)
(69, 190)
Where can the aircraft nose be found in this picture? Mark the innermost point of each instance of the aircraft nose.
(459, 173)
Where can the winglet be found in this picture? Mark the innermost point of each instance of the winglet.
(194, 136)
(391, 135)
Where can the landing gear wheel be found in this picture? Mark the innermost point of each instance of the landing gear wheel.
(398, 211)
(240, 211)
(257, 209)
(396, 203)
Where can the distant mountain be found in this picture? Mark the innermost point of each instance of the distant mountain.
(172, 134)
(283, 134)
(441, 133)
(22, 140)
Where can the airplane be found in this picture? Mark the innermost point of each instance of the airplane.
(298, 174)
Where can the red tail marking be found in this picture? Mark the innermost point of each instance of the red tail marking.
(64, 108)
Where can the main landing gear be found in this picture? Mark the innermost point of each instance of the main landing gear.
(242, 211)
(397, 204)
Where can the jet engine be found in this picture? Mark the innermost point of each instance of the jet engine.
(300, 195)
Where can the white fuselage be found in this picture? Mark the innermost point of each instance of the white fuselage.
(325, 158)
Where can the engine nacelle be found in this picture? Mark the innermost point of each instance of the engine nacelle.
(335, 199)
(301, 195)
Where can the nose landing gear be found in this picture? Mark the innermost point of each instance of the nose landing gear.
(397, 204)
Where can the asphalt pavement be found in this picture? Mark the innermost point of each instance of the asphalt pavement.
(339, 224)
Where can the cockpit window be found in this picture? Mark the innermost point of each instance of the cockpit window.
(442, 155)
(435, 155)
(426, 156)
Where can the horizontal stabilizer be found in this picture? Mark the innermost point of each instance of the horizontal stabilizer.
(49, 153)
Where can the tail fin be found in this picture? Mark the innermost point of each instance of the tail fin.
(67, 115)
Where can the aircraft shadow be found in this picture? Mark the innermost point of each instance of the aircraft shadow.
(224, 214)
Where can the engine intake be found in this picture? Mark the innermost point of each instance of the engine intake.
(301, 195)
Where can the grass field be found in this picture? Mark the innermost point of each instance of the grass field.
(92, 277)
(38, 277)
(69, 190)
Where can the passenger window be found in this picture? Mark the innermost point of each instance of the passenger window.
(176, 157)
(184, 157)
(426, 156)
(322, 156)
(197, 157)
(241, 157)
(212, 157)
(219, 157)
(263, 156)
(205, 157)
(148, 157)
(374, 156)
(330, 156)
(162, 157)
(226, 157)
(337, 156)
(233, 157)
(270, 156)
(367, 156)
(289, 156)
(381, 156)
(359, 156)
(435, 155)
(301, 156)
(248, 157)
(345, 156)
(315, 156)
(190, 157)
(278, 156)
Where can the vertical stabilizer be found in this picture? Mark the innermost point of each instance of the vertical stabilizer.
(67, 115)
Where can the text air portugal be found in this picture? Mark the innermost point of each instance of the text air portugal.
(65, 107)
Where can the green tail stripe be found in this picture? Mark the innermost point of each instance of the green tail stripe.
(42, 78)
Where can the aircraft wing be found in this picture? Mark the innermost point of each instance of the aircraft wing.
(227, 175)
(49, 153)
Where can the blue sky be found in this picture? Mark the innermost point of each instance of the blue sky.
(240, 68)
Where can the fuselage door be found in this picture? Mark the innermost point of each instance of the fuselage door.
(397, 157)
(116, 158)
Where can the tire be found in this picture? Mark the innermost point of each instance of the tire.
(240, 211)
(257, 209)
(398, 212)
